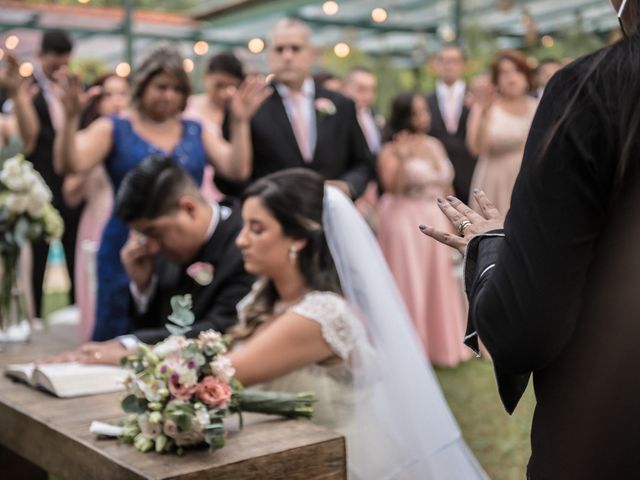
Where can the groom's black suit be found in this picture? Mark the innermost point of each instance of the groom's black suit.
(214, 305)
(341, 151)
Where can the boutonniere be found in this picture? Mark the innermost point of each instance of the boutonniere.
(325, 107)
(201, 272)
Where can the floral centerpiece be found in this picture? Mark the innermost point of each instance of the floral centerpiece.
(181, 389)
(26, 215)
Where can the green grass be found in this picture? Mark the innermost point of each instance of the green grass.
(499, 441)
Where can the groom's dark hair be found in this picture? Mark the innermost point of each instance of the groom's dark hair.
(153, 189)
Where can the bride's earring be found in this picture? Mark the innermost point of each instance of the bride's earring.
(293, 254)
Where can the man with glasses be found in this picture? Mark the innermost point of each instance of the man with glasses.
(304, 125)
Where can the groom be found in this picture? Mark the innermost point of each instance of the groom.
(179, 244)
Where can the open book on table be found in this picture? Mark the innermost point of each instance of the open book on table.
(69, 379)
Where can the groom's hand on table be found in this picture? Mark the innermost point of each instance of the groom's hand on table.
(103, 353)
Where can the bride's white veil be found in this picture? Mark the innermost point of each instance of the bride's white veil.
(404, 426)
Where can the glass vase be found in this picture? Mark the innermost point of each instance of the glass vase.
(14, 323)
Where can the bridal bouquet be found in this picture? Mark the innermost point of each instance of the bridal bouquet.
(181, 389)
(26, 215)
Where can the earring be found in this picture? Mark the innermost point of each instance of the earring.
(293, 254)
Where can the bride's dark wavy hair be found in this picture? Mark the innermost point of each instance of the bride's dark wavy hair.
(295, 199)
(612, 84)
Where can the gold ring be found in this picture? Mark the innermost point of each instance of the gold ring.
(463, 226)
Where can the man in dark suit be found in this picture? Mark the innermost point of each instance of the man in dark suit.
(179, 244)
(54, 55)
(449, 116)
(304, 125)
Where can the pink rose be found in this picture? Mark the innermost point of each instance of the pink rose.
(180, 391)
(201, 272)
(170, 428)
(213, 392)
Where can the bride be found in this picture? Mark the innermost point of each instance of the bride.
(326, 317)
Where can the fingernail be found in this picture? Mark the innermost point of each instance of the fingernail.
(476, 190)
(422, 227)
(440, 200)
(451, 198)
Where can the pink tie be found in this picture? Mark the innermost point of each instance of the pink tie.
(300, 125)
(450, 112)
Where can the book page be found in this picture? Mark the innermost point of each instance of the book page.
(20, 371)
(75, 379)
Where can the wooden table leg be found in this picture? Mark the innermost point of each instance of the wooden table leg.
(14, 466)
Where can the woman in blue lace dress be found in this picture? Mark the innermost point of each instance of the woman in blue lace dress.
(152, 126)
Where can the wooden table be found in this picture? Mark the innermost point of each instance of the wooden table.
(40, 433)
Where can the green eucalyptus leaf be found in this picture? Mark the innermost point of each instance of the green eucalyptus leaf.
(133, 404)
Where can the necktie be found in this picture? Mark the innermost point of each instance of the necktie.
(300, 124)
(451, 116)
(370, 130)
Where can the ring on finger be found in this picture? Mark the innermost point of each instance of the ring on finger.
(97, 355)
(463, 226)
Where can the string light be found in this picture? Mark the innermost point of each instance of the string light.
(330, 8)
(26, 69)
(379, 15)
(547, 41)
(256, 45)
(341, 50)
(200, 47)
(188, 65)
(11, 42)
(123, 69)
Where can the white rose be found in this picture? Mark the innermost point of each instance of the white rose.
(16, 203)
(172, 344)
(222, 368)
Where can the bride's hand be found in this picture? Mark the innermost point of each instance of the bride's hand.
(466, 221)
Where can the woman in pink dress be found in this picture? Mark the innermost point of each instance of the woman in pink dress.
(414, 171)
(498, 129)
(94, 189)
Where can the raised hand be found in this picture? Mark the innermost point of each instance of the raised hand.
(10, 79)
(70, 91)
(466, 221)
(248, 98)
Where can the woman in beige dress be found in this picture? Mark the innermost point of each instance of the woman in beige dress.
(498, 128)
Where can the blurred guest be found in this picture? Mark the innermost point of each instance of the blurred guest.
(53, 58)
(450, 114)
(153, 125)
(414, 170)
(329, 81)
(361, 86)
(301, 125)
(547, 69)
(499, 125)
(94, 191)
(224, 75)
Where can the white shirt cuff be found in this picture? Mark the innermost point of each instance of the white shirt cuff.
(130, 342)
(142, 299)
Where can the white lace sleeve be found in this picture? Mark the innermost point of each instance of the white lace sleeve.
(334, 315)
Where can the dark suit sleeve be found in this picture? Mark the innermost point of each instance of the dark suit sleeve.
(214, 310)
(525, 309)
(360, 166)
